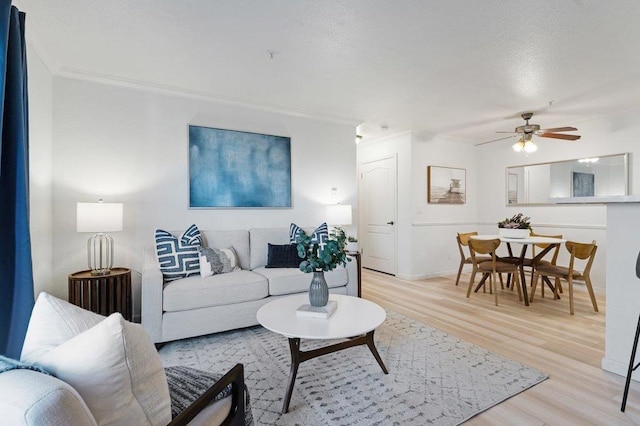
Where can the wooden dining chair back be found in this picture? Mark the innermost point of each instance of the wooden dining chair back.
(542, 246)
(585, 252)
(528, 262)
(463, 241)
(490, 267)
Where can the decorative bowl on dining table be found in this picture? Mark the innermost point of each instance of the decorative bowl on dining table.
(517, 226)
(513, 233)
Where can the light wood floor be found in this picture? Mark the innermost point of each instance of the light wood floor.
(543, 336)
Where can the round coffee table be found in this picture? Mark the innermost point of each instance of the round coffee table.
(355, 319)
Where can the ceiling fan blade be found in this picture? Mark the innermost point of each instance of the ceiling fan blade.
(560, 129)
(559, 136)
(496, 140)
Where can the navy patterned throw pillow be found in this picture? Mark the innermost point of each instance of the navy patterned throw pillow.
(319, 235)
(178, 257)
(294, 231)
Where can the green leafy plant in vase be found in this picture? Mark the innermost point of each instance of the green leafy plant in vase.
(321, 254)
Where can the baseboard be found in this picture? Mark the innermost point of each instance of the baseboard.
(619, 368)
(426, 276)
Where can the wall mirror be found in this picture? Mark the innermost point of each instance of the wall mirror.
(606, 175)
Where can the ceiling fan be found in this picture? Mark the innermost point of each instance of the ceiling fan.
(526, 132)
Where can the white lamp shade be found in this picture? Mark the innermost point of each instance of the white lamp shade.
(99, 217)
(339, 214)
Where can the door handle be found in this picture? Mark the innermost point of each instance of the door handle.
(390, 223)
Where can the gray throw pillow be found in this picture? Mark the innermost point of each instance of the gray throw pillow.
(218, 261)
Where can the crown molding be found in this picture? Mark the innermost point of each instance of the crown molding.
(111, 80)
(36, 40)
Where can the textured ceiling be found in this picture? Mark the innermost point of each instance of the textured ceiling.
(461, 68)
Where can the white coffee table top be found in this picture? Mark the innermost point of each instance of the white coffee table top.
(353, 317)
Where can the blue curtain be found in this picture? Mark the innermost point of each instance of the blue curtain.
(16, 274)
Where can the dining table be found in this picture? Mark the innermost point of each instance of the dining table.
(519, 260)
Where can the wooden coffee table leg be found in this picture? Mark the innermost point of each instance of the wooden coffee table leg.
(374, 351)
(294, 346)
(298, 356)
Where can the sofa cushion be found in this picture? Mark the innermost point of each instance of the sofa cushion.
(178, 257)
(54, 321)
(117, 371)
(288, 280)
(217, 261)
(222, 289)
(283, 256)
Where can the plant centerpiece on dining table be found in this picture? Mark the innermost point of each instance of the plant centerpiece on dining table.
(518, 226)
(321, 252)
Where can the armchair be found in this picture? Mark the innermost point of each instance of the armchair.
(107, 371)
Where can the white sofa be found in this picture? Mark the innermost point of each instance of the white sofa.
(196, 306)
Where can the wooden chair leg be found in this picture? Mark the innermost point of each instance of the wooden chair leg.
(570, 281)
(459, 272)
(556, 287)
(494, 286)
(542, 285)
(501, 283)
(534, 283)
(587, 280)
(559, 284)
(473, 276)
(516, 282)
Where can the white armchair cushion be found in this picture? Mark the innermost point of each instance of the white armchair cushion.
(54, 321)
(115, 368)
(30, 398)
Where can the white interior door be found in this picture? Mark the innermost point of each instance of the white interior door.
(378, 205)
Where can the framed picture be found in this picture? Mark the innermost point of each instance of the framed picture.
(446, 185)
(232, 169)
(512, 188)
(583, 185)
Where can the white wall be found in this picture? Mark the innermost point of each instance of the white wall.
(40, 173)
(435, 252)
(131, 146)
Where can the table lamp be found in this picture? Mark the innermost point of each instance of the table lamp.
(339, 214)
(99, 218)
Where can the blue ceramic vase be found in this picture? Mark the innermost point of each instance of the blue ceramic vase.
(318, 290)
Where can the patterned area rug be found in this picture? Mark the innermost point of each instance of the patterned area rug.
(434, 378)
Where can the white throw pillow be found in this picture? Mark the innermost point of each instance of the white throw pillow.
(114, 366)
(54, 321)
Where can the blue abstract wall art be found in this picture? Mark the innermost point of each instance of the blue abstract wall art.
(228, 168)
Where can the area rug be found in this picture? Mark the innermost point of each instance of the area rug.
(434, 378)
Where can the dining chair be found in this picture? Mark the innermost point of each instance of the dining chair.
(584, 252)
(490, 267)
(463, 241)
(528, 261)
(511, 258)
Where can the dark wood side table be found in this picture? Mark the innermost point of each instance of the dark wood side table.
(102, 294)
(356, 255)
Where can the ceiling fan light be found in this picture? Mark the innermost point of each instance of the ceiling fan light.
(518, 146)
(529, 146)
